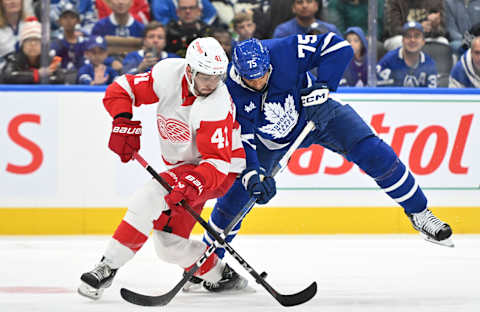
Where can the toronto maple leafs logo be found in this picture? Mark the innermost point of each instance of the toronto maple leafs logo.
(250, 107)
(410, 81)
(282, 118)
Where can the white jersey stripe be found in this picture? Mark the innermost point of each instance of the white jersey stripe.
(122, 82)
(398, 183)
(221, 165)
(327, 40)
(408, 195)
(336, 47)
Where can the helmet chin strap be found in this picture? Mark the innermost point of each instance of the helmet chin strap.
(191, 84)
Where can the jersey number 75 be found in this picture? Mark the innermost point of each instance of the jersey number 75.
(303, 41)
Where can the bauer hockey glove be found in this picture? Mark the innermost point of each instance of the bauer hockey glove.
(188, 188)
(259, 185)
(312, 99)
(125, 137)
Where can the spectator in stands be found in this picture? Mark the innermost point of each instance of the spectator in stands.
(460, 16)
(85, 9)
(140, 10)
(408, 66)
(243, 25)
(304, 11)
(23, 67)
(429, 13)
(167, 11)
(12, 15)
(466, 73)
(224, 37)
(95, 71)
(349, 13)
(468, 36)
(70, 44)
(154, 42)
(188, 27)
(267, 14)
(355, 74)
(120, 23)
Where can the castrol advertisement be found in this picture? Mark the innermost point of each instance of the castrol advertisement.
(435, 135)
(54, 152)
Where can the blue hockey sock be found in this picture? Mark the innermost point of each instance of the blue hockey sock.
(380, 162)
(219, 220)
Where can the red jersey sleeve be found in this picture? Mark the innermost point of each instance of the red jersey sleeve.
(129, 90)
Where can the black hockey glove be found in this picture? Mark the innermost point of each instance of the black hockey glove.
(259, 185)
(314, 99)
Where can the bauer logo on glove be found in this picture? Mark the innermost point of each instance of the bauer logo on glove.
(125, 138)
(127, 130)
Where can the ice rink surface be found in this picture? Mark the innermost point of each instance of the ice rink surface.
(354, 273)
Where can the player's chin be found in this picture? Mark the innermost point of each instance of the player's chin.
(205, 91)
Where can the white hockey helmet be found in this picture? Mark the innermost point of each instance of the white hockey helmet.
(206, 55)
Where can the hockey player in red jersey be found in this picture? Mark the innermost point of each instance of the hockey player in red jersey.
(201, 146)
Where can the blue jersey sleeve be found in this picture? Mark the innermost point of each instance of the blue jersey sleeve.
(84, 75)
(163, 11)
(131, 62)
(328, 52)
(209, 13)
(111, 73)
(384, 69)
(247, 118)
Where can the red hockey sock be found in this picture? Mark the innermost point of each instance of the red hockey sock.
(129, 236)
(206, 266)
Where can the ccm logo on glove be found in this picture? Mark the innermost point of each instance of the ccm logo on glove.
(315, 97)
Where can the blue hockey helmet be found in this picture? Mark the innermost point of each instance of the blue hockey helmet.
(251, 59)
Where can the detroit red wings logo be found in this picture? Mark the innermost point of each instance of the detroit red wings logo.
(173, 130)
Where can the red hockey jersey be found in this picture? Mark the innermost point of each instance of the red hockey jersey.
(197, 130)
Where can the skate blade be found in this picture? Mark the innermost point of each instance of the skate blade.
(446, 242)
(89, 292)
(192, 288)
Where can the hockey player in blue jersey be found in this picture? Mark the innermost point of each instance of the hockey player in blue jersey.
(466, 73)
(408, 66)
(275, 98)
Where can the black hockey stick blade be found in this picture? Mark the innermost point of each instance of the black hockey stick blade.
(144, 300)
(161, 300)
(295, 299)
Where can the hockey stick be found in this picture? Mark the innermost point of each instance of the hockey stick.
(282, 163)
(285, 300)
(164, 299)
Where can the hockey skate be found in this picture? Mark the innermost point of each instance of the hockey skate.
(94, 282)
(193, 284)
(433, 229)
(230, 280)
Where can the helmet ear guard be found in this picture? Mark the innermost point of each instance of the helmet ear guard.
(251, 59)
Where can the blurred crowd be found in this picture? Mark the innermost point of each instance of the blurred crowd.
(419, 43)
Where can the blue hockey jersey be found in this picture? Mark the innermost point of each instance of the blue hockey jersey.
(134, 58)
(86, 73)
(463, 74)
(71, 54)
(393, 71)
(109, 27)
(275, 116)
